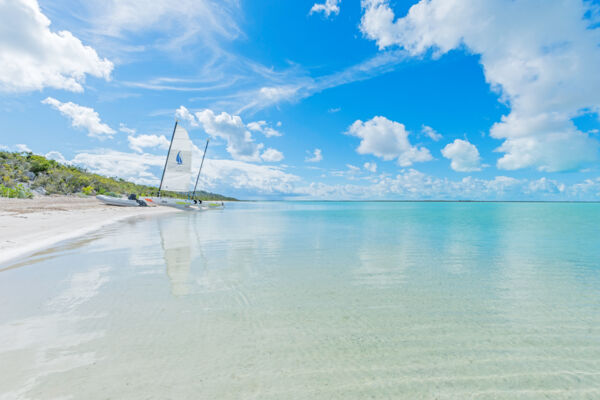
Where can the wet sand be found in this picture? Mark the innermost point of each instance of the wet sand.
(30, 225)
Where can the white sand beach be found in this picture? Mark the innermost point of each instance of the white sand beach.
(29, 225)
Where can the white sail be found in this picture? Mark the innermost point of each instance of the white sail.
(178, 169)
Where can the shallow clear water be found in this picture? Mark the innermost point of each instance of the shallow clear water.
(313, 301)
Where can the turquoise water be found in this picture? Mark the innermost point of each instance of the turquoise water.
(313, 301)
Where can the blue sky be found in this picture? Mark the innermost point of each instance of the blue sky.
(347, 99)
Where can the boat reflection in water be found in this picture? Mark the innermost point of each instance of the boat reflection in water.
(175, 239)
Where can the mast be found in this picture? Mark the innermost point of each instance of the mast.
(167, 160)
(200, 170)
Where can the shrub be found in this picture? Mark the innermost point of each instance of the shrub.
(39, 164)
(17, 192)
(88, 190)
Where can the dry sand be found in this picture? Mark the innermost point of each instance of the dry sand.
(29, 225)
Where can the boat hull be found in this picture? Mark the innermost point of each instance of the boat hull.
(115, 201)
(169, 202)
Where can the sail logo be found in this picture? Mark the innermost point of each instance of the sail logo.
(178, 158)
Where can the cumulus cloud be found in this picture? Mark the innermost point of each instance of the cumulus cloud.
(184, 114)
(431, 133)
(463, 156)
(316, 156)
(240, 143)
(588, 189)
(369, 166)
(545, 185)
(271, 155)
(262, 179)
(388, 140)
(33, 57)
(57, 156)
(327, 8)
(140, 142)
(82, 117)
(145, 169)
(130, 166)
(23, 148)
(545, 68)
(264, 128)
(413, 184)
(225, 175)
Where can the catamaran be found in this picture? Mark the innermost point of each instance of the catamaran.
(176, 177)
(177, 172)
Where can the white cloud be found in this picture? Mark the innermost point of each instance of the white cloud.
(33, 57)
(234, 174)
(464, 156)
(125, 129)
(316, 156)
(369, 166)
(184, 114)
(327, 8)
(225, 175)
(431, 133)
(413, 184)
(262, 127)
(82, 117)
(353, 168)
(139, 142)
(23, 148)
(387, 140)
(241, 175)
(271, 155)
(240, 143)
(57, 156)
(130, 166)
(190, 21)
(545, 68)
(588, 189)
(546, 185)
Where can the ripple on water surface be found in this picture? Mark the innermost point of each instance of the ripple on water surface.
(313, 301)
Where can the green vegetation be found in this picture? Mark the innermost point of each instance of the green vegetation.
(18, 192)
(22, 172)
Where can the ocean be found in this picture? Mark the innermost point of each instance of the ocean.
(312, 300)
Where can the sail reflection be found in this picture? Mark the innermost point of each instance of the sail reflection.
(175, 239)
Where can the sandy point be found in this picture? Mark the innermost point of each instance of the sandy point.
(30, 225)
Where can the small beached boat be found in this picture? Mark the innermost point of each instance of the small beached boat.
(132, 201)
(176, 177)
(177, 172)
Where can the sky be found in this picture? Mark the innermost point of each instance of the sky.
(333, 99)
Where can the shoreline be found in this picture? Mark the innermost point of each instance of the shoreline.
(31, 225)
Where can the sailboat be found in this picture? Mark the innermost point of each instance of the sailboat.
(176, 177)
(210, 205)
(177, 172)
